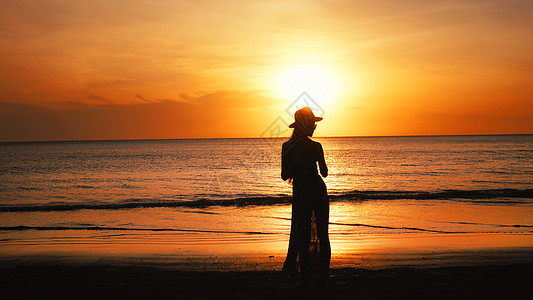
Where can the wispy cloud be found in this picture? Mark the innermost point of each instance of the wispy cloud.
(220, 114)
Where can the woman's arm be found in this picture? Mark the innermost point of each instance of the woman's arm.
(285, 163)
(322, 162)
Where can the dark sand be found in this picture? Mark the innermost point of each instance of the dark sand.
(49, 281)
(479, 266)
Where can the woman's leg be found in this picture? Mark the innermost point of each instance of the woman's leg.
(322, 222)
(304, 237)
(289, 266)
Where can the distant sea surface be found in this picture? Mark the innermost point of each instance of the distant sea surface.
(120, 184)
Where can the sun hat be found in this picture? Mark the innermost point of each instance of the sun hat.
(304, 115)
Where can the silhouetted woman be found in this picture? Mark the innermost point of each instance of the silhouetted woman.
(309, 247)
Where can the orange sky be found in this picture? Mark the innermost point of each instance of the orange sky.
(188, 69)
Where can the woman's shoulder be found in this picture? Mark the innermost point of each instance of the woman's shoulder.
(317, 144)
(304, 142)
(288, 143)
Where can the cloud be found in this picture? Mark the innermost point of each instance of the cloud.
(96, 98)
(220, 114)
(232, 100)
(142, 98)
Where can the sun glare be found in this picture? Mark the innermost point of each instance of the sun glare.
(317, 81)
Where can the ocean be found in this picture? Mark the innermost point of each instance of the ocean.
(216, 189)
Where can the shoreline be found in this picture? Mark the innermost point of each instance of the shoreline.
(231, 252)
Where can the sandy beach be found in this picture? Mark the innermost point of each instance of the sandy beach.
(115, 281)
(383, 267)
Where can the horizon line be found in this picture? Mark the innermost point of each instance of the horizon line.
(256, 137)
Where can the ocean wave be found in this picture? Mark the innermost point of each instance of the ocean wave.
(104, 228)
(486, 197)
(393, 230)
(445, 194)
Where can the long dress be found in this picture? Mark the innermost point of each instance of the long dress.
(309, 247)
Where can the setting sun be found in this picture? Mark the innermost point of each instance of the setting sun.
(321, 83)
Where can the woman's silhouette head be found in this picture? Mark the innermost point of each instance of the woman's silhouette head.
(304, 124)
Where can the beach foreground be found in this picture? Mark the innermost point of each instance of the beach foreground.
(129, 282)
(206, 266)
(475, 273)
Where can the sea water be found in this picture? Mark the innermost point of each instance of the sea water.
(209, 188)
(106, 172)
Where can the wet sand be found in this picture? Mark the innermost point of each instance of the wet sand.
(159, 267)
